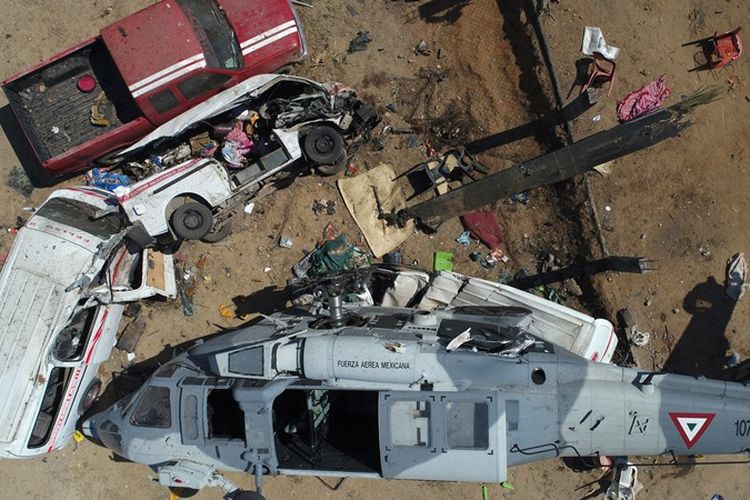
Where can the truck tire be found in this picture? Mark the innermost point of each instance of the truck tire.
(248, 495)
(217, 236)
(192, 221)
(333, 169)
(93, 391)
(323, 145)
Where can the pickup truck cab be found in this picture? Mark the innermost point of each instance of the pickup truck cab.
(112, 89)
(62, 290)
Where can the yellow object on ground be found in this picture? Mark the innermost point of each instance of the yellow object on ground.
(226, 312)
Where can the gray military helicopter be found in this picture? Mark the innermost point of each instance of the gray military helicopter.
(347, 389)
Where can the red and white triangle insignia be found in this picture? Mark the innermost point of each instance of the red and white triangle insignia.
(691, 426)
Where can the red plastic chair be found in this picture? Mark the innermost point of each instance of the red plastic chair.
(727, 48)
(602, 69)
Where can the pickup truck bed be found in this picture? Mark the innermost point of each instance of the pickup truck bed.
(48, 99)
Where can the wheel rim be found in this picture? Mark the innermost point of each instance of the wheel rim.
(193, 220)
(91, 395)
(324, 144)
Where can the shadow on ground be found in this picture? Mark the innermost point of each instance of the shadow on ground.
(267, 300)
(21, 147)
(442, 11)
(702, 348)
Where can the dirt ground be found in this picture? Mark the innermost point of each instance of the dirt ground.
(680, 203)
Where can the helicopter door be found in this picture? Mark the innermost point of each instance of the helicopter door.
(442, 436)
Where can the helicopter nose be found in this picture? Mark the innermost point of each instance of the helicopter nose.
(88, 428)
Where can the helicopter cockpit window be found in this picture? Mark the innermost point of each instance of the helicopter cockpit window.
(153, 409)
(467, 424)
(410, 423)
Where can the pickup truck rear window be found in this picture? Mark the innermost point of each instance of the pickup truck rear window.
(214, 32)
(80, 215)
(201, 83)
(164, 101)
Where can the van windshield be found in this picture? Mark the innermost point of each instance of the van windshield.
(213, 31)
(80, 215)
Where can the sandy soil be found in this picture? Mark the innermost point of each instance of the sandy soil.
(693, 195)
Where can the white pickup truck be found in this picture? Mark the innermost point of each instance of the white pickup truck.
(62, 290)
(304, 124)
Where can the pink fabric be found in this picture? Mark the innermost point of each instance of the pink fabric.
(643, 100)
(240, 137)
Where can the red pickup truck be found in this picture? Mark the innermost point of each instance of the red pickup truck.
(110, 90)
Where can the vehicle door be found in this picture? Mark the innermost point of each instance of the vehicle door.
(210, 416)
(442, 436)
(154, 276)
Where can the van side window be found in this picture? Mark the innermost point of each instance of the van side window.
(467, 424)
(164, 101)
(153, 409)
(199, 84)
(410, 423)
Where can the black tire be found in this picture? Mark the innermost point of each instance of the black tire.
(91, 395)
(339, 166)
(181, 492)
(192, 221)
(248, 495)
(323, 145)
(217, 236)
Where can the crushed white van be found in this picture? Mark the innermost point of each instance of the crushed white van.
(62, 290)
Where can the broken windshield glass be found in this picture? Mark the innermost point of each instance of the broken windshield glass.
(213, 31)
(80, 215)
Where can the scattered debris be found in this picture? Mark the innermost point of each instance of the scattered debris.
(132, 333)
(443, 261)
(736, 274)
(641, 101)
(639, 339)
(351, 170)
(98, 118)
(186, 289)
(483, 226)
(522, 198)
(226, 311)
(493, 258)
(464, 238)
(103, 179)
(321, 207)
(396, 130)
(393, 258)
(593, 42)
(285, 242)
(333, 253)
(360, 42)
(422, 49)
(249, 208)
